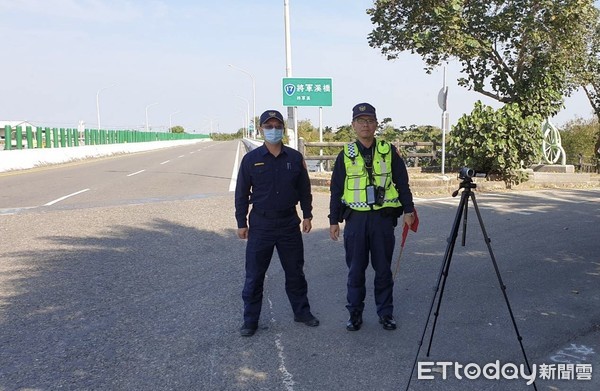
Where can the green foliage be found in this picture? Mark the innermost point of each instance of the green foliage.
(498, 142)
(580, 137)
(177, 129)
(228, 136)
(344, 133)
(387, 132)
(311, 134)
(589, 75)
(307, 131)
(420, 133)
(526, 54)
(519, 51)
(414, 133)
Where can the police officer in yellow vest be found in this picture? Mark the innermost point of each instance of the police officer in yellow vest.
(369, 191)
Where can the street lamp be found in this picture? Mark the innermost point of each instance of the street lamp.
(244, 121)
(170, 124)
(443, 103)
(292, 118)
(211, 124)
(98, 102)
(253, 96)
(150, 105)
(247, 110)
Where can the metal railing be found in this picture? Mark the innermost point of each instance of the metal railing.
(44, 137)
(587, 164)
(407, 149)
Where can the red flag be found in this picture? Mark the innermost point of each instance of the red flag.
(413, 228)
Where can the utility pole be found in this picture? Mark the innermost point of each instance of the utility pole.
(443, 103)
(291, 111)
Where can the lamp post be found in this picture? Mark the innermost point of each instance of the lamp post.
(98, 102)
(170, 123)
(247, 110)
(443, 103)
(244, 121)
(211, 124)
(253, 96)
(150, 105)
(292, 120)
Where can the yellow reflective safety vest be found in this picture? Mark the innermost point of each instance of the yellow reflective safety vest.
(357, 177)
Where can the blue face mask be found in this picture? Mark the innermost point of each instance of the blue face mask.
(273, 136)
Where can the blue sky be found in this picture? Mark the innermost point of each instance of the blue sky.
(57, 54)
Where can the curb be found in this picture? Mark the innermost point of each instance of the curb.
(433, 185)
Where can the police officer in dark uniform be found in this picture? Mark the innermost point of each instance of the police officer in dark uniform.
(273, 178)
(370, 191)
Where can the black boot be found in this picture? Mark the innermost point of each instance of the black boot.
(388, 322)
(355, 321)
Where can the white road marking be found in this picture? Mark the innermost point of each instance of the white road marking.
(65, 197)
(234, 172)
(425, 200)
(165, 162)
(14, 211)
(288, 378)
(135, 173)
(288, 381)
(181, 156)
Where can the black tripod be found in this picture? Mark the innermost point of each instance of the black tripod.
(468, 186)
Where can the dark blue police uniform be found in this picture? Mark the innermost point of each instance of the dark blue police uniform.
(274, 186)
(369, 232)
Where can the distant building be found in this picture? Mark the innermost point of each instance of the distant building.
(13, 125)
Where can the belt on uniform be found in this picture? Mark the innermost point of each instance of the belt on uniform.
(274, 214)
(385, 212)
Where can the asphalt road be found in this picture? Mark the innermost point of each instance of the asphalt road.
(125, 273)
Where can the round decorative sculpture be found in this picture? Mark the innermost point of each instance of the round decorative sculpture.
(551, 147)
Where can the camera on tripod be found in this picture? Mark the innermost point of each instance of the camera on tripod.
(468, 173)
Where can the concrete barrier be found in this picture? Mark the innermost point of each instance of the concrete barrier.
(29, 158)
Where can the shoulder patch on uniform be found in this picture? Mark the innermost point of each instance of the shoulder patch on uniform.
(259, 164)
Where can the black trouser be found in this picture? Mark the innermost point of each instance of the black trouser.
(370, 233)
(265, 234)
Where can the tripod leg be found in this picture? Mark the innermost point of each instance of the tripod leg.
(443, 274)
(463, 206)
(465, 218)
(502, 286)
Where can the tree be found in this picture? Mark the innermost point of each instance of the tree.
(177, 129)
(578, 137)
(526, 53)
(519, 51)
(420, 133)
(497, 142)
(414, 133)
(590, 78)
(590, 75)
(228, 136)
(345, 133)
(307, 131)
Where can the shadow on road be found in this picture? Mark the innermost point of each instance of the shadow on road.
(148, 297)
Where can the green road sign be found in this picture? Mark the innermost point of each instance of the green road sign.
(307, 92)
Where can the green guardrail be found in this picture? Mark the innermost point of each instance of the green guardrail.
(40, 137)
